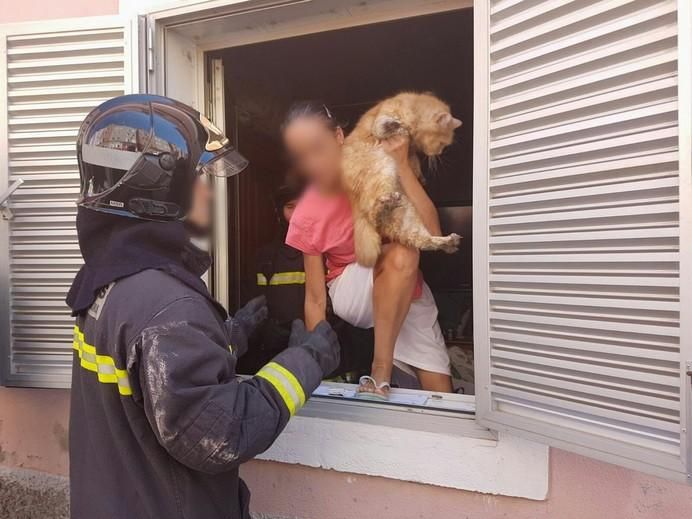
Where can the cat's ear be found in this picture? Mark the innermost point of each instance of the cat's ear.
(386, 126)
(446, 119)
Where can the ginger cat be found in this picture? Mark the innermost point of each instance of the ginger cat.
(380, 208)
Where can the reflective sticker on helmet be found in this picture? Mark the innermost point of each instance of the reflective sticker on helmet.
(215, 137)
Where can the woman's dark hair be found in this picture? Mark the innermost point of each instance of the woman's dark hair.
(310, 108)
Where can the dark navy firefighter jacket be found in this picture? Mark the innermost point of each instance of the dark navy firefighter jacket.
(159, 420)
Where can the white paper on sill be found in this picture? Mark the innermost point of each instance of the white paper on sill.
(394, 398)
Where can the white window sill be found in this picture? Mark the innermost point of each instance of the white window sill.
(418, 445)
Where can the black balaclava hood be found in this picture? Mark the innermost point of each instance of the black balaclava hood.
(114, 247)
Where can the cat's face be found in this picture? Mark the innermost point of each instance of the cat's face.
(434, 130)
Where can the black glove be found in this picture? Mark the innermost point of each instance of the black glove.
(321, 343)
(245, 322)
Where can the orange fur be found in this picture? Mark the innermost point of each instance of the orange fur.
(380, 206)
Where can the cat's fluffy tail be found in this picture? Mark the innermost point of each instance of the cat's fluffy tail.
(368, 242)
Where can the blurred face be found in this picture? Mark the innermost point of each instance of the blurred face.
(315, 150)
(288, 209)
(199, 215)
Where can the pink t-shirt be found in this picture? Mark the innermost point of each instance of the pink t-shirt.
(324, 225)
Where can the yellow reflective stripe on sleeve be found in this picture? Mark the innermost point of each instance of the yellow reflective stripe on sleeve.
(286, 384)
(281, 278)
(102, 365)
(288, 278)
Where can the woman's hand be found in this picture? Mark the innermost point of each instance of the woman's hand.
(397, 147)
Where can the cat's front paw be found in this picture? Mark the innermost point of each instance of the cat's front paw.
(449, 243)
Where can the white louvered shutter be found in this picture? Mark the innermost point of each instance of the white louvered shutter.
(577, 225)
(52, 74)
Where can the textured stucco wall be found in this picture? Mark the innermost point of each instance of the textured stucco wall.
(33, 426)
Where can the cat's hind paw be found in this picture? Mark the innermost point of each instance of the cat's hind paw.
(449, 243)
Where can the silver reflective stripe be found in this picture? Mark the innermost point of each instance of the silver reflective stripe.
(285, 383)
(109, 158)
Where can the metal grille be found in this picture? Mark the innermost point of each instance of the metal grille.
(53, 81)
(583, 240)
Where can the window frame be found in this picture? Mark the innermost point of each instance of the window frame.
(322, 433)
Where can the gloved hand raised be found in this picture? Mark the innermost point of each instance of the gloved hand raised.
(245, 321)
(321, 343)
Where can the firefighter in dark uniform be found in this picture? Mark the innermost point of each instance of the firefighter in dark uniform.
(280, 277)
(159, 420)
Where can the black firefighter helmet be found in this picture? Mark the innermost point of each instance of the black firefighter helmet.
(139, 156)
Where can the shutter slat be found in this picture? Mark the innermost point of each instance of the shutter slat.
(598, 191)
(661, 426)
(649, 89)
(605, 26)
(626, 303)
(574, 322)
(600, 56)
(623, 393)
(645, 138)
(553, 23)
(593, 82)
(553, 131)
(573, 342)
(78, 47)
(629, 281)
(509, 359)
(638, 166)
(530, 13)
(587, 214)
(53, 81)
(670, 232)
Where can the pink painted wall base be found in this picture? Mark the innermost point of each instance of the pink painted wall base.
(33, 435)
(29, 10)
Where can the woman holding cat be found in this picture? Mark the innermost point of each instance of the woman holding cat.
(392, 296)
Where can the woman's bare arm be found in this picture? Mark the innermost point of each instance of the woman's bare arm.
(315, 291)
(398, 148)
(420, 199)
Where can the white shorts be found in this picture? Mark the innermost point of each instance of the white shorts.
(420, 343)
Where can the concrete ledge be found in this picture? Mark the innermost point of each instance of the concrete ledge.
(27, 494)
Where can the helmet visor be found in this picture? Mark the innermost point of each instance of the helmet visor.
(226, 163)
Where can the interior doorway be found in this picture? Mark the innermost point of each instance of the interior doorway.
(350, 70)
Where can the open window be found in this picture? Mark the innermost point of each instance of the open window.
(578, 173)
(421, 53)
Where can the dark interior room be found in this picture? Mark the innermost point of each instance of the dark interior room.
(351, 70)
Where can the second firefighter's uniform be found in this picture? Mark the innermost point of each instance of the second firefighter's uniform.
(281, 278)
